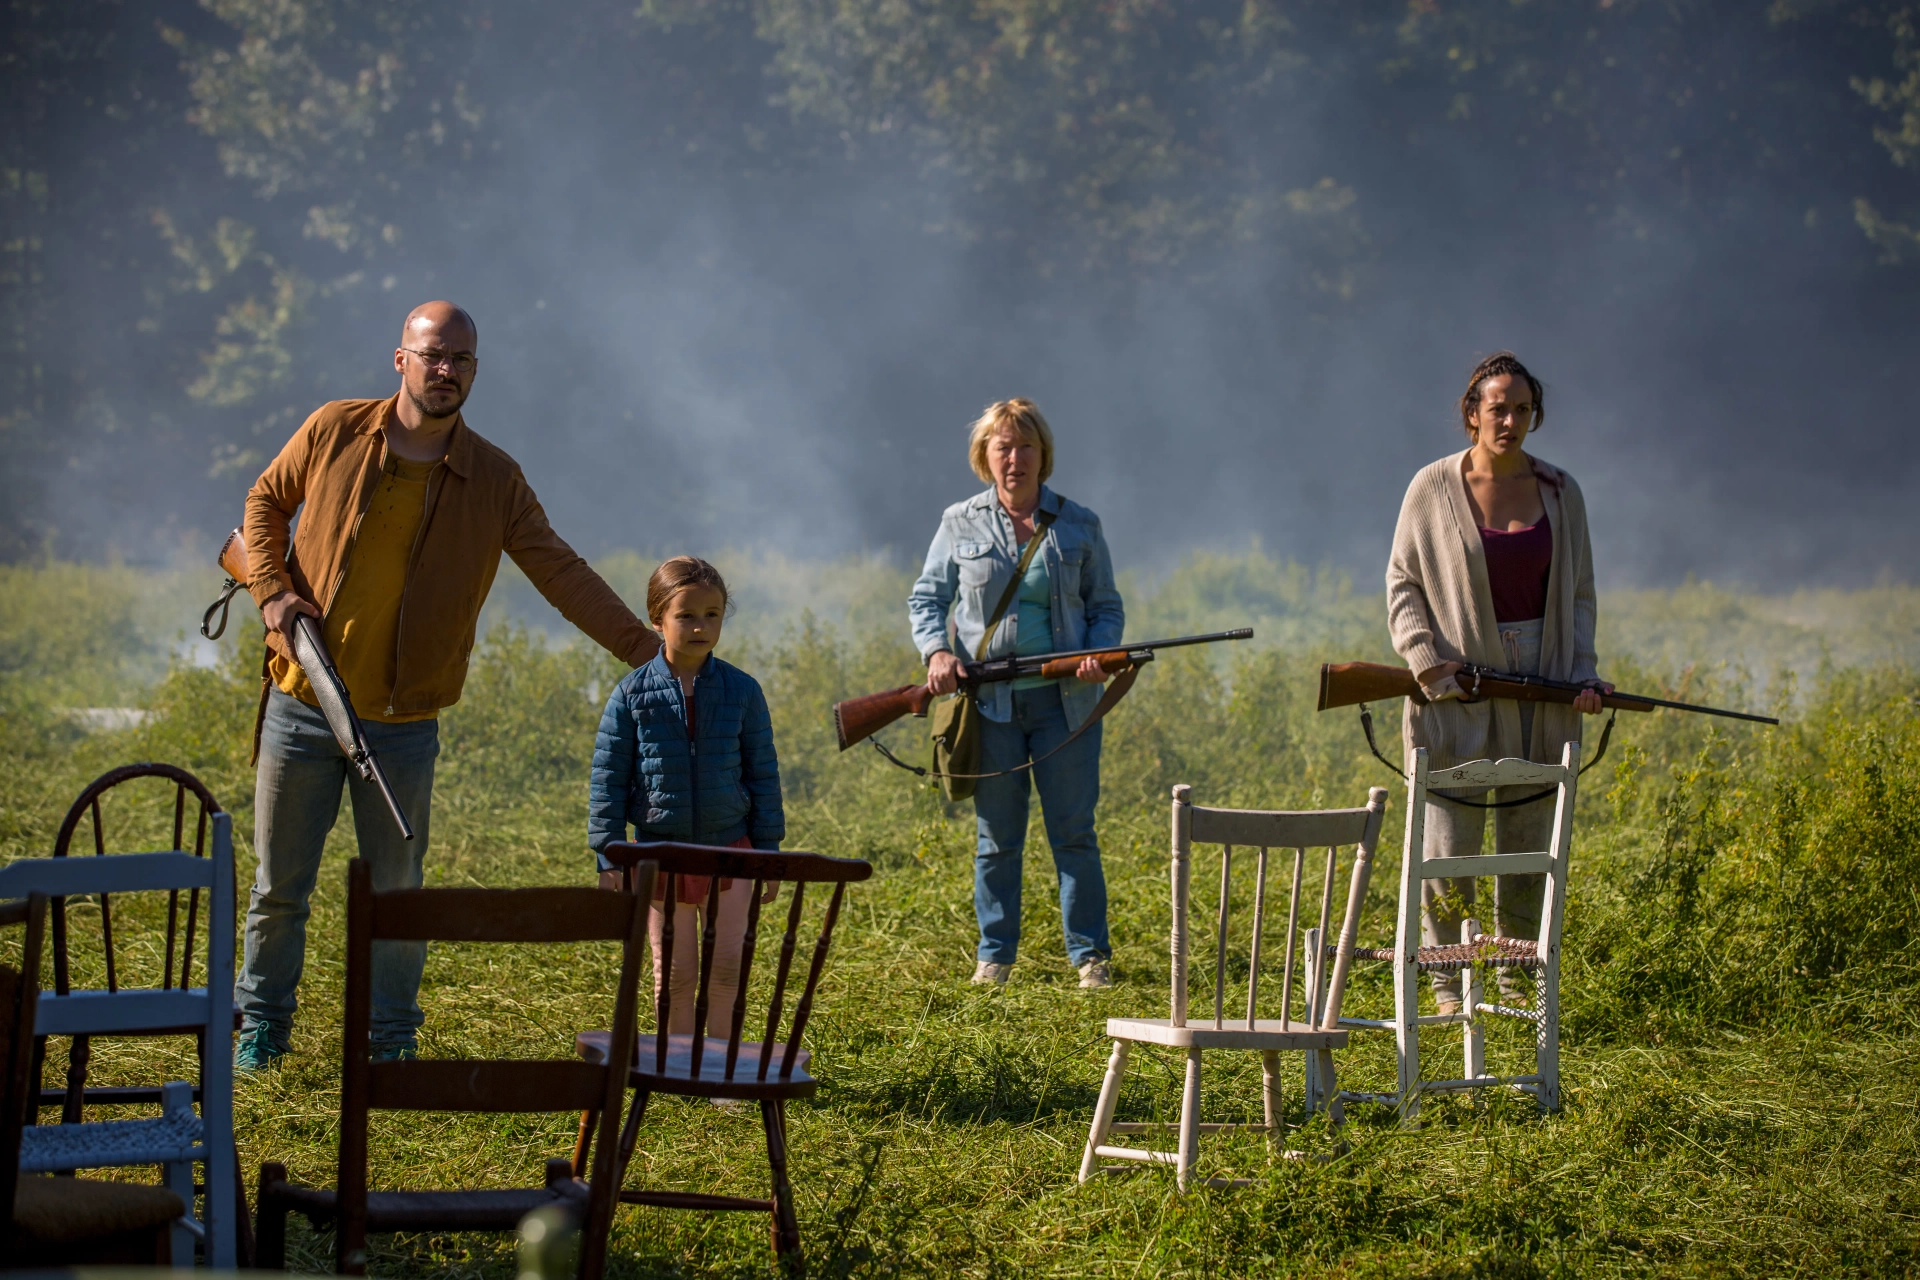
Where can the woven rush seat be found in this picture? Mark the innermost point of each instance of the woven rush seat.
(56, 1213)
(1500, 953)
(178, 1135)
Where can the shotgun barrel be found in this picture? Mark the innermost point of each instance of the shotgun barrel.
(1343, 684)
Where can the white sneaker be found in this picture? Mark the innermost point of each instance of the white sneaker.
(986, 971)
(1094, 976)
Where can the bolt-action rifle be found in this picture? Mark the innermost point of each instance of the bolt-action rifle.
(310, 651)
(1342, 684)
(859, 718)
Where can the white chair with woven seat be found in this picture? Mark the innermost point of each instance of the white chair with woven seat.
(1316, 1034)
(1476, 952)
(179, 1138)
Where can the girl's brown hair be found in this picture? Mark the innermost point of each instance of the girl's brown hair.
(676, 575)
(1494, 366)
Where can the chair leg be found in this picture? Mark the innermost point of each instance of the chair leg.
(178, 1176)
(1270, 1094)
(1189, 1120)
(1103, 1110)
(1474, 1041)
(242, 1220)
(583, 1142)
(270, 1231)
(1330, 1082)
(78, 1055)
(629, 1135)
(786, 1228)
(1546, 1056)
(1407, 1045)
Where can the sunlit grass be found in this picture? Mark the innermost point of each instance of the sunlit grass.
(1741, 982)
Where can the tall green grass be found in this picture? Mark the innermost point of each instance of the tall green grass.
(1741, 984)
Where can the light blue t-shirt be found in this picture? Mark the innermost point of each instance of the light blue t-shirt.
(1035, 602)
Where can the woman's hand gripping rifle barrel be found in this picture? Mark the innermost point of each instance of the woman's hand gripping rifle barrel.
(857, 719)
(310, 651)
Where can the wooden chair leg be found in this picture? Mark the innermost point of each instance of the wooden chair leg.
(1474, 1041)
(1330, 1081)
(629, 1135)
(786, 1228)
(1189, 1120)
(1546, 1057)
(270, 1232)
(242, 1220)
(583, 1142)
(1103, 1110)
(1270, 1094)
(1407, 1043)
(179, 1179)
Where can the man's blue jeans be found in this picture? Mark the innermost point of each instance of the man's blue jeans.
(1069, 790)
(296, 799)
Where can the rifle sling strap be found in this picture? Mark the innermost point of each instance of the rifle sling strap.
(1366, 726)
(1110, 699)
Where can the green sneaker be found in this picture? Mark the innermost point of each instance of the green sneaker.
(256, 1051)
(393, 1053)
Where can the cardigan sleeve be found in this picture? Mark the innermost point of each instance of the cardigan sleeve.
(760, 772)
(612, 778)
(1409, 615)
(1586, 602)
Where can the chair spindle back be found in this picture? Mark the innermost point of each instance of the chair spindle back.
(796, 870)
(1264, 831)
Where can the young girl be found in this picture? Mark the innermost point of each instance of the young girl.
(685, 752)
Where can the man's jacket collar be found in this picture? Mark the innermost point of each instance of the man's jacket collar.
(459, 456)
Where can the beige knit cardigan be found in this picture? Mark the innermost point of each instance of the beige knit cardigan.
(1440, 609)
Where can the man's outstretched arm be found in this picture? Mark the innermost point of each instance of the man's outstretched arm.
(570, 584)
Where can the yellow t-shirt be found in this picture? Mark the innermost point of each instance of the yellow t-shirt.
(363, 624)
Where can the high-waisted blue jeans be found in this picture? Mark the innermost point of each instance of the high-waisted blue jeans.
(296, 799)
(1069, 790)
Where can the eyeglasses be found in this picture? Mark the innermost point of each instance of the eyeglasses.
(460, 362)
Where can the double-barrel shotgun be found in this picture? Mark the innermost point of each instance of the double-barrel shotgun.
(1343, 684)
(310, 651)
(857, 719)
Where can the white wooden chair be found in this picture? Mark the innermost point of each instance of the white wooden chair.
(1476, 952)
(178, 1138)
(1314, 1033)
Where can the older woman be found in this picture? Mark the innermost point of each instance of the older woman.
(1491, 565)
(1065, 600)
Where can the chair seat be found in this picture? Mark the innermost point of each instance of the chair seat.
(1266, 1033)
(499, 1210)
(179, 1135)
(712, 1081)
(1486, 950)
(56, 1211)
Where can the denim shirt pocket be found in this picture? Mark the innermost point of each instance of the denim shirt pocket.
(976, 560)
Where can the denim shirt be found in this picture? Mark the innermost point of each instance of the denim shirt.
(968, 567)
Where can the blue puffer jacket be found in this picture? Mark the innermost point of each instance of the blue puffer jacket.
(709, 788)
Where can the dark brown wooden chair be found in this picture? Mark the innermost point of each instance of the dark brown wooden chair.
(472, 1085)
(770, 1071)
(61, 1222)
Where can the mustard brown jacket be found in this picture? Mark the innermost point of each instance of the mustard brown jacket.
(478, 505)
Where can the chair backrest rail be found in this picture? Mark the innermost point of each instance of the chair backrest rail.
(121, 873)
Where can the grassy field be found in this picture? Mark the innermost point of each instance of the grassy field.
(1741, 987)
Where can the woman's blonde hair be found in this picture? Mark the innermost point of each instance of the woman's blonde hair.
(1024, 417)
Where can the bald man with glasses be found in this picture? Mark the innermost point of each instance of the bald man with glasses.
(404, 512)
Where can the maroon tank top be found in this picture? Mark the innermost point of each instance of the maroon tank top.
(1517, 566)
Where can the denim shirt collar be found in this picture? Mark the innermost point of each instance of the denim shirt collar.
(986, 506)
